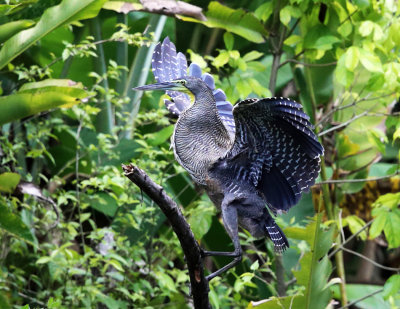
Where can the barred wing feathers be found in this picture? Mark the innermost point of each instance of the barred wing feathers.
(167, 65)
(275, 150)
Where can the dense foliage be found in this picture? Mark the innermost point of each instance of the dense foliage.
(75, 233)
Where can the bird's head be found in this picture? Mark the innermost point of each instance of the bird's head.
(188, 84)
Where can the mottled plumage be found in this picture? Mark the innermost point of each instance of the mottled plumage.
(255, 158)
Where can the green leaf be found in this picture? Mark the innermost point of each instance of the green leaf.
(370, 61)
(345, 29)
(389, 200)
(342, 74)
(102, 202)
(375, 82)
(66, 12)
(221, 59)
(200, 219)
(358, 291)
(253, 55)
(255, 266)
(355, 224)
(264, 11)
(122, 6)
(229, 40)
(378, 225)
(38, 97)
(352, 58)
(391, 287)
(315, 269)
(366, 28)
(293, 39)
(165, 281)
(320, 37)
(243, 87)
(9, 29)
(8, 182)
(155, 139)
(284, 15)
(13, 224)
(391, 228)
(237, 21)
(345, 147)
(50, 83)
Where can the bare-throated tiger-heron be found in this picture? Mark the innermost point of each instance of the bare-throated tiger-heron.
(252, 159)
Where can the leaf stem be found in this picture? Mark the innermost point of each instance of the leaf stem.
(104, 119)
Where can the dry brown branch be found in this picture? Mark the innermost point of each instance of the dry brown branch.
(190, 247)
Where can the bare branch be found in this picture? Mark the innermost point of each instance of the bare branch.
(308, 64)
(344, 124)
(369, 260)
(352, 104)
(190, 247)
(362, 298)
(339, 181)
(350, 238)
(172, 8)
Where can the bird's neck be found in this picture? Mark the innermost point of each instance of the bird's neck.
(200, 137)
(204, 98)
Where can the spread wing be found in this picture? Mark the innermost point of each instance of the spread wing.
(275, 150)
(167, 65)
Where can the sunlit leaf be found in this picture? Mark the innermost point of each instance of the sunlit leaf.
(9, 29)
(221, 59)
(122, 6)
(8, 182)
(236, 21)
(366, 28)
(159, 137)
(38, 97)
(228, 40)
(320, 37)
(352, 58)
(392, 286)
(264, 11)
(54, 17)
(355, 224)
(370, 61)
(315, 269)
(391, 228)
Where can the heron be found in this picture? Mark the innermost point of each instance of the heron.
(254, 159)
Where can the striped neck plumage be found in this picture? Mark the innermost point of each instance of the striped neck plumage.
(203, 96)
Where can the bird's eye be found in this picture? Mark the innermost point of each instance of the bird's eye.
(182, 81)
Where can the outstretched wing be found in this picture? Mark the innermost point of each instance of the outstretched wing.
(275, 150)
(167, 65)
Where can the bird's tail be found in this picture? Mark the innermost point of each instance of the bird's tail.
(277, 236)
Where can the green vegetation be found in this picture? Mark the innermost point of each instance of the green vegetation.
(75, 233)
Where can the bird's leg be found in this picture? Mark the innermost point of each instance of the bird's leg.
(230, 218)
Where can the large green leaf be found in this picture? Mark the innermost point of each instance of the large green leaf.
(236, 21)
(315, 269)
(357, 291)
(34, 98)
(13, 224)
(9, 29)
(54, 17)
